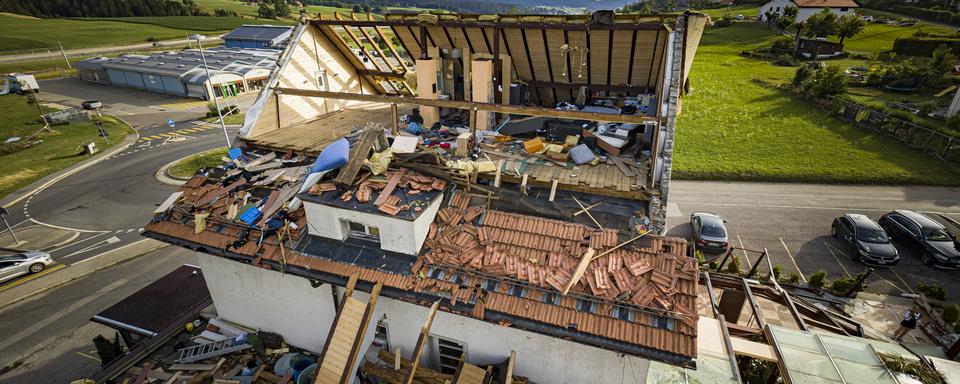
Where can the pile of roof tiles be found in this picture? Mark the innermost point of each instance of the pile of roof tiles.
(544, 253)
(402, 180)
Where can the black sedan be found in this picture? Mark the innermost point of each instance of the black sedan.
(938, 247)
(865, 239)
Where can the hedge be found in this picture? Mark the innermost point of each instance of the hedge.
(923, 46)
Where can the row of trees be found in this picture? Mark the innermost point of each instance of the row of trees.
(822, 24)
(273, 9)
(101, 8)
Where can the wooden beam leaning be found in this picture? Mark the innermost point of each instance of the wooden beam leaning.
(358, 342)
(581, 269)
(491, 107)
(421, 342)
(513, 358)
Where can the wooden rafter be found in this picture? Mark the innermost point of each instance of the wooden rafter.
(359, 44)
(390, 47)
(421, 343)
(476, 24)
(344, 50)
(480, 106)
(376, 47)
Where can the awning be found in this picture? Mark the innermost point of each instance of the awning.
(154, 307)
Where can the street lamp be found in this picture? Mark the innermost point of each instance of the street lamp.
(216, 102)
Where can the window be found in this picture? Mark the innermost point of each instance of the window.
(623, 313)
(844, 9)
(492, 285)
(363, 231)
(551, 298)
(664, 323)
(320, 76)
(382, 337)
(586, 306)
(447, 354)
(517, 290)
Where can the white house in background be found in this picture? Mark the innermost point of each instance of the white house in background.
(806, 8)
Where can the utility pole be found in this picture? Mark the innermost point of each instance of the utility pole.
(3, 215)
(64, 55)
(213, 94)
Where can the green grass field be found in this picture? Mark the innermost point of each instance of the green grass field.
(186, 168)
(745, 10)
(736, 126)
(59, 149)
(44, 33)
(876, 38)
(198, 23)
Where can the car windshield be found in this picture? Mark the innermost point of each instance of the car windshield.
(872, 235)
(712, 231)
(936, 235)
(12, 257)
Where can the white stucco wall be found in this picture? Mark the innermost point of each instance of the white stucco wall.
(396, 234)
(287, 304)
(802, 13)
(267, 300)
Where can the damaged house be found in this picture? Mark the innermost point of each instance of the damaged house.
(483, 195)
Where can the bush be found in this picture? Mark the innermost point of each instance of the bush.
(782, 44)
(712, 266)
(698, 255)
(786, 60)
(734, 265)
(793, 278)
(845, 283)
(212, 110)
(152, 39)
(818, 279)
(723, 22)
(777, 271)
(932, 291)
(107, 350)
(951, 313)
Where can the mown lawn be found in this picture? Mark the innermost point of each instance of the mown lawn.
(59, 149)
(736, 126)
(747, 11)
(877, 38)
(188, 167)
(29, 33)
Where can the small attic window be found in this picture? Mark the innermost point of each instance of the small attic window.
(664, 323)
(491, 285)
(551, 298)
(517, 290)
(363, 231)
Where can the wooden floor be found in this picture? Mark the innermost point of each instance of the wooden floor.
(604, 178)
(312, 136)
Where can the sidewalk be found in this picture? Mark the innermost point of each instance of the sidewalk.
(18, 293)
(36, 238)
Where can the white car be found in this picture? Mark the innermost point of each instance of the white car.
(23, 263)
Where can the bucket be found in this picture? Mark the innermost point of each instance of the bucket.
(306, 376)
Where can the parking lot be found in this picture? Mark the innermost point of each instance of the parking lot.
(792, 222)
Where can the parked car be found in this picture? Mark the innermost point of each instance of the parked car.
(938, 247)
(91, 104)
(709, 232)
(23, 263)
(867, 241)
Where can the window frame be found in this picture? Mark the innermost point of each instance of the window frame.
(438, 355)
(365, 234)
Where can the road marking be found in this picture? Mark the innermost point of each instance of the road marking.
(40, 325)
(109, 241)
(890, 282)
(830, 249)
(902, 280)
(744, 251)
(54, 268)
(81, 354)
(804, 278)
(78, 242)
(64, 228)
(809, 207)
(104, 253)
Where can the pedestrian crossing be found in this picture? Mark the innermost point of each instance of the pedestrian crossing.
(180, 132)
(184, 105)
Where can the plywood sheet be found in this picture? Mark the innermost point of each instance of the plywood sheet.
(643, 58)
(620, 63)
(599, 44)
(477, 38)
(471, 374)
(405, 35)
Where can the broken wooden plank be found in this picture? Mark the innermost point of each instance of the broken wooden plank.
(581, 269)
(191, 367)
(585, 210)
(421, 342)
(391, 185)
(359, 153)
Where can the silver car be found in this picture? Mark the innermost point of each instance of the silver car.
(709, 232)
(23, 263)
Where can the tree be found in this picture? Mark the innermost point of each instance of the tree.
(821, 24)
(357, 8)
(265, 12)
(823, 82)
(788, 18)
(848, 26)
(281, 8)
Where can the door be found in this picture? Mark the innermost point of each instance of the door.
(10, 269)
(848, 233)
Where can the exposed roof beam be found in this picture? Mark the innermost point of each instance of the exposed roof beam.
(492, 107)
(479, 24)
(592, 87)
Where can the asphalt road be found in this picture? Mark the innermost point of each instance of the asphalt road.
(47, 323)
(55, 53)
(792, 221)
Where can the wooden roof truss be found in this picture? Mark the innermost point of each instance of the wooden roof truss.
(385, 78)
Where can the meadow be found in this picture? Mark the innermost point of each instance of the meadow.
(738, 125)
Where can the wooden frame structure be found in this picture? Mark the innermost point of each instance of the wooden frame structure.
(421, 343)
(346, 335)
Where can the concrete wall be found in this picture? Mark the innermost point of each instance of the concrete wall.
(396, 234)
(288, 305)
(262, 299)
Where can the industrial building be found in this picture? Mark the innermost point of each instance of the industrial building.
(258, 36)
(233, 71)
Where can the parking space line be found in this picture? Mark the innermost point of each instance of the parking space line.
(902, 280)
(889, 282)
(81, 354)
(744, 251)
(794, 261)
(830, 249)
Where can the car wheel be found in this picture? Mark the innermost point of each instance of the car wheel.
(857, 257)
(833, 231)
(926, 258)
(37, 268)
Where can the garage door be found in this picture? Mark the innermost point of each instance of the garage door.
(195, 90)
